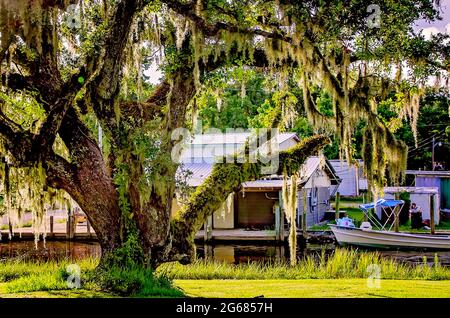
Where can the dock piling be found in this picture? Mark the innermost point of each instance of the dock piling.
(52, 233)
(336, 204)
(432, 221)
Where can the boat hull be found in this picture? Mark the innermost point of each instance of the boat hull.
(388, 240)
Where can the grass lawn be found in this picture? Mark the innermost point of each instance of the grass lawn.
(307, 288)
(342, 274)
(314, 288)
(74, 293)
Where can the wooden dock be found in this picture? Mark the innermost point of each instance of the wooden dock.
(80, 234)
(55, 230)
(229, 235)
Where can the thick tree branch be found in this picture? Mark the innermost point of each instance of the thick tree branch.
(104, 88)
(226, 178)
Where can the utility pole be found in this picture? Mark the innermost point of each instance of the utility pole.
(433, 145)
(432, 155)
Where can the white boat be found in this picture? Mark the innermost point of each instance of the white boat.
(387, 239)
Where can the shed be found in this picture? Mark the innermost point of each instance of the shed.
(438, 179)
(422, 196)
(255, 205)
(352, 176)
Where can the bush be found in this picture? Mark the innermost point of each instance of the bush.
(137, 282)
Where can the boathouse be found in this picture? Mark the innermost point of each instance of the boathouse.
(438, 179)
(257, 204)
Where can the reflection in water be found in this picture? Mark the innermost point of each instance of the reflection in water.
(53, 250)
(269, 253)
(231, 253)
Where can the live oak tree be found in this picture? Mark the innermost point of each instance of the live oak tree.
(69, 67)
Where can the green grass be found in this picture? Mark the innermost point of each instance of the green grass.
(354, 213)
(442, 226)
(321, 227)
(17, 278)
(358, 199)
(72, 293)
(341, 288)
(138, 282)
(342, 264)
(49, 279)
(26, 224)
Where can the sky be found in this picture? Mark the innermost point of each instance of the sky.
(427, 28)
(437, 26)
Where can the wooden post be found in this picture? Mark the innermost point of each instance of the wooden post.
(73, 222)
(88, 227)
(52, 234)
(10, 227)
(305, 210)
(281, 223)
(432, 225)
(70, 228)
(209, 252)
(67, 226)
(277, 221)
(208, 229)
(280, 217)
(336, 204)
(396, 214)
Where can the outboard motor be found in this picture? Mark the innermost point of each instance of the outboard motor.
(365, 226)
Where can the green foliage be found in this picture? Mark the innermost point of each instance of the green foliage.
(32, 283)
(341, 264)
(137, 282)
(23, 277)
(232, 99)
(321, 61)
(23, 109)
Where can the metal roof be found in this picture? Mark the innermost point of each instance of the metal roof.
(263, 184)
(445, 174)
(234, 138)
(200, 171)
(424, 190)
(309, 166)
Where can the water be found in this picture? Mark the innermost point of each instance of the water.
(230, 253)
(53, 250)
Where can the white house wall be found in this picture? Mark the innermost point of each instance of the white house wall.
(319, 180)
(224, 217)
(316, 211)
(352, 182)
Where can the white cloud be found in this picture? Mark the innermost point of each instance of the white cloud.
(428, 32)
(447, 29)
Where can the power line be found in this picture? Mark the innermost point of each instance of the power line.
(429, 138)
(423, 141)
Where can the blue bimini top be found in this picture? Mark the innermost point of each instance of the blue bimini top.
(381, 202)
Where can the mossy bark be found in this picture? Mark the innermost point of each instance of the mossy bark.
(226, 178)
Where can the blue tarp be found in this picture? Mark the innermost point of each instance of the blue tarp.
(382, 203)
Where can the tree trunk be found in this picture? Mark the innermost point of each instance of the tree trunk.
(87, 182)
(145, 235)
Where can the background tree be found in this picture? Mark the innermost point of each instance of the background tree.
(68, 66)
